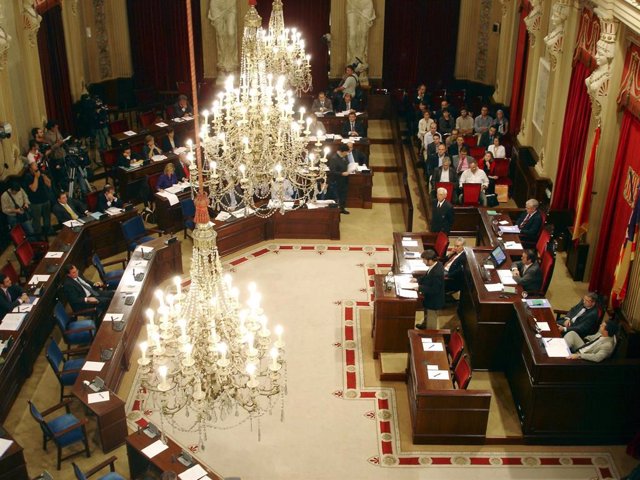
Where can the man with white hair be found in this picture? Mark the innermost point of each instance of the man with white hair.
(454, 267)
(530, 222)
(441, 213)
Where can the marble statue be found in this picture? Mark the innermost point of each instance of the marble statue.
(360, 17)
(5, 38)
(31, 21)
(555, 38)
(223, 17)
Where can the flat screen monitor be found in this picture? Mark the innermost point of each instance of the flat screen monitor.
(499, 256)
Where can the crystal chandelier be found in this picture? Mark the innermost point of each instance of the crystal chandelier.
(254, 142)
(208, 362)
(285, 52)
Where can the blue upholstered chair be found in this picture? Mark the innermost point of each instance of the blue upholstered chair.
(135, 233)
(64, 430)
(109, 462)
(110, 278)
(74, 331)
(66, 370)
(188, 212)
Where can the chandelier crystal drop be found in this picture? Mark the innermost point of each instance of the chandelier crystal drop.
(286, 53)
(210, 362)
(253, 141)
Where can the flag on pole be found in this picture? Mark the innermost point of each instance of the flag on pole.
(627, 253)
(581, 225)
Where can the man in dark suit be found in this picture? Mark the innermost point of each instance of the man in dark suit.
(357, 155)
(454, 267)
(348, 103)
(353, 127)
(182, 107)
(66, 209)
(527, 272)
(322, 104)
(81, 293)
(487, 137)
(108, 199)
(431, 285)
(530, 222)
(445, 173)
(170, 142)
(454, 148)
(442, 214)
(126, 157)
(338, 177)
(583, 318)
(10, 296)
(182, 168)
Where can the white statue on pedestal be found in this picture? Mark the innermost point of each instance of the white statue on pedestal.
(223, 17)
(598, 82)
(360, 17)
(5, 38)
(31, 21)
(555, 38)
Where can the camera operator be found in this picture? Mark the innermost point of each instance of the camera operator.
(56, 158)
(15, 205)
(101, 123)
(76, 164)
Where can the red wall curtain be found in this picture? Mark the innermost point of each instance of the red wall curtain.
(617, 210)
(519, 72)
(55, 69)
(160, 42)
(573, 142)
(629, 96)
(312, 19)
(420, 40)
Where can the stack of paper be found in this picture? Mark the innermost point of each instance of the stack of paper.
(73, 223)
(506, 277)
(438, 374)
(504, 222)
(363, 168)
(154, 449)
(416, 266)
(25, 307)
(173, 198)
(12, 321)
(538, 303)
(38, 279)
(162, 124)
(98, 397)
(493, 287)
(144, 250)
(556, 347)
(158, 158)
(54, 254)
(409, 242)
(194, 473)
(543, 326)
(177, 188)
(432, 346)
(509, 229)
(130, 133)
(114, 211)
(223, 216)
(180, 150)
(513, 245)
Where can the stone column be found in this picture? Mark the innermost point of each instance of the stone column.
(74, 38)
(117, 30)
(562, 32)
(506, 51)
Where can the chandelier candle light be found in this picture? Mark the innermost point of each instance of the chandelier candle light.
(254, 142)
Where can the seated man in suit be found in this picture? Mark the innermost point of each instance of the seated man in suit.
(66, 209)
(108, 199)
(353, 127)
(81, 293)
(150, 148)
(454, 148)
(597, 347)
(442, 216)
(530, 222)
(183, 172)
(474, 175)
(486, 139)
(527, 272)
(126, 157)
(348, 103)
(582, 318)
(10, 296)
(357, 155)
(182, 107)
(322, 104)
(445, 173)
(454, 267)
(170, 142)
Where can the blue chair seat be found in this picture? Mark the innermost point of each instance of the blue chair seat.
(190, 224)
(80, 338)
(112, 476)
(112, 278)
(73, 364)
(64, 421)
(133, 245)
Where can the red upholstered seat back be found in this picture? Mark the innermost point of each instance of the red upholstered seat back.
(462, 373)
(448, 186)
(471, 193)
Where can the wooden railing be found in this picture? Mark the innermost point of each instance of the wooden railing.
(398, 150)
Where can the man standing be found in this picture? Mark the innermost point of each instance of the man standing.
(582, 318)
(597, 347)
(81, 293)
(527, 272)
(39, 192)
(431, 285)
(349, 82)
(442, 216)
(338, 176)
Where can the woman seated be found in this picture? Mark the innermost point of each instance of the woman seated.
(496, 149)
(168, 177)
(501, 123)
(489, 168)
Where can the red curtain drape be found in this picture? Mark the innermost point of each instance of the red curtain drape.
(617, 209)
(420, 40)
(629, 96)
(55, 69)
(573, 142)
(312, 19)
(160, 42)
(519, 72)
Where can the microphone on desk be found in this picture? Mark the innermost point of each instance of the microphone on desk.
(106, 353)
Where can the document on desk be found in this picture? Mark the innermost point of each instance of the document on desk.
(92, 366)
(438, 374)
(556, 347)
(162, 124)
(223, 216)
(139, 263)
(177, 188)
(112, 317)
(363, 168)
(130, 133)
(172, 197)
(543, 326)
(194, 473)
(4, 445)
(54, 255)
(144, 250)
(154, 449)
(538, 303)
(509, 229)
(513, 245)
(409, 242)
(25, 307)
(130, 288)
(493, 287)
(506, 277)
(98, 397)
(416, 266)
(73, 223)
(12, 321)
(38, 279)
(111, 211)
(432, 347)
(504, 222)
(158, 158)
(406, 293)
